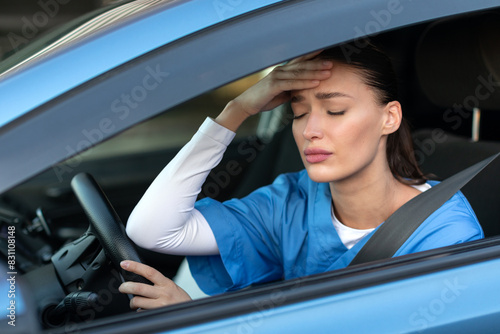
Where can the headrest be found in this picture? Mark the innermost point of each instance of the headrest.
(458, 62)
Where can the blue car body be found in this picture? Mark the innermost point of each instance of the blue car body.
(432, 303)
(50, 101)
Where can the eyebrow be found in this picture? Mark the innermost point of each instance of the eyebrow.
(321, 96)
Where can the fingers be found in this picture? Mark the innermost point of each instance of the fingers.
(305, 57)
(139, 289)
(141, 303)
(163, 292)
(310, 69)
(301, 75)
(145, 296)
(145, 271)
(148, 297)
(274, 89)
(167, 297)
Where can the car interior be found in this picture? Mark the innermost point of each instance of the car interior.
(449, 73)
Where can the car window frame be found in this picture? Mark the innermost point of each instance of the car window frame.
(301, 290)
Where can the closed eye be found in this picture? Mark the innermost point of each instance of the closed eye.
(298, 116)
(336, 113)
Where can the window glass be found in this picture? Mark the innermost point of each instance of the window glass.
(175, 127)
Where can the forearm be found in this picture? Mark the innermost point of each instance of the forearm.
(165, 220)
(232, 116)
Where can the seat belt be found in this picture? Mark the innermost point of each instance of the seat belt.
(393, 233)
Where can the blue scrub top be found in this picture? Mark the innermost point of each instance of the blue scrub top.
(285, 230)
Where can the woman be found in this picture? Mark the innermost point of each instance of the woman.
(359, 169)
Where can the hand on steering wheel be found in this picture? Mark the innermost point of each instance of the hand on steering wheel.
(163, 292)
(151, 287)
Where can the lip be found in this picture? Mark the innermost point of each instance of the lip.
(315, 155)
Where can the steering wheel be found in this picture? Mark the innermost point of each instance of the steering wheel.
(106, 225)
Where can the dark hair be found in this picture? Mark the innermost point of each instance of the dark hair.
(376, 70)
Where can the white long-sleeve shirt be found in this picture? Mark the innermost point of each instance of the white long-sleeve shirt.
(165, 219)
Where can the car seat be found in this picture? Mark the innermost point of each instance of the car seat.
(458, 69)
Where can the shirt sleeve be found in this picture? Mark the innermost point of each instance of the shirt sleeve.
(453, 223)
(249, 235)
(165, 219)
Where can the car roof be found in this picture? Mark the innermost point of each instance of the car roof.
(68, 100)
(105, 41)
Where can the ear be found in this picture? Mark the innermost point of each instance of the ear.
(394, 116)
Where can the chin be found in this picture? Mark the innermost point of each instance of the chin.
(322, 174)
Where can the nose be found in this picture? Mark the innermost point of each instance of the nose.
(313, 127)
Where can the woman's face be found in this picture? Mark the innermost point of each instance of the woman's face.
(339, 126)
